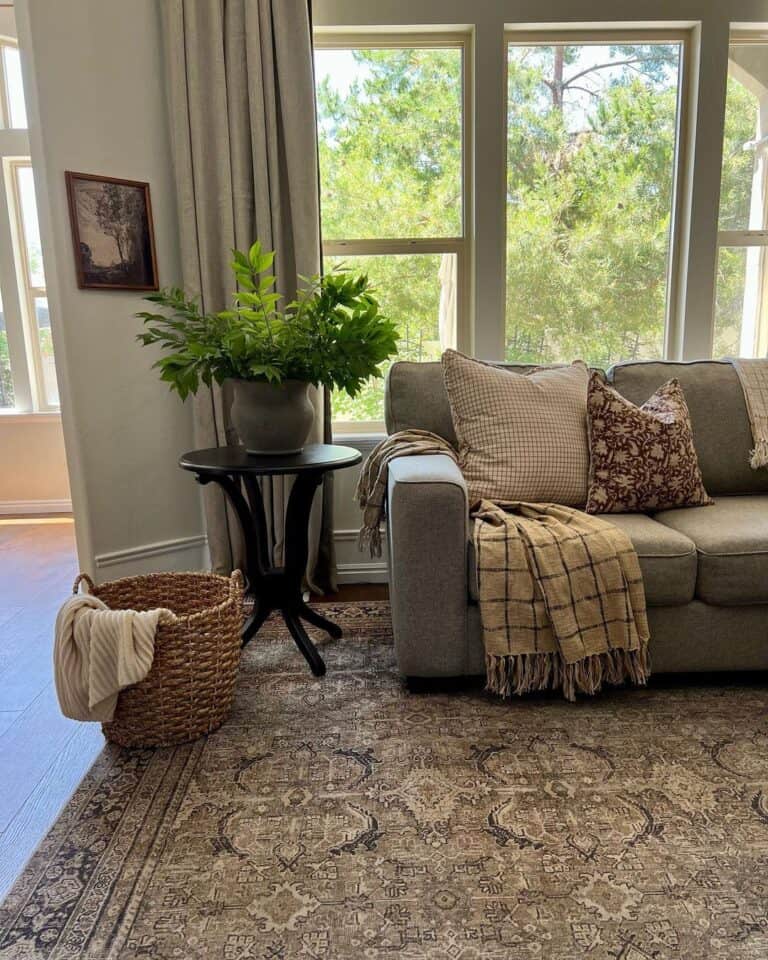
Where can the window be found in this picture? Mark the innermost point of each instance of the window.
(591, 145)
(741, 326)
(27, 371)
(391, 129)
(7, 397)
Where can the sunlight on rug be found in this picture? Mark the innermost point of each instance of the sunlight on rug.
(343, 817)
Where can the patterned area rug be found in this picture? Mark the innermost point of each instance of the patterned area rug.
(346, 818)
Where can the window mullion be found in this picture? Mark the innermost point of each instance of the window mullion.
(13, 309)
(742, 238)
(701, 207)
(5, 112)
(372, 247)
(489, 175)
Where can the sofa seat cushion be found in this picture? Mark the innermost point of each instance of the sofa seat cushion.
(731, 538)
(667, 558)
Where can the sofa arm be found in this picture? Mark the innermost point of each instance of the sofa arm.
(427, 531)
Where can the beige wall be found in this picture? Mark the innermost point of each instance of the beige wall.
(94, 78)
(34, 474)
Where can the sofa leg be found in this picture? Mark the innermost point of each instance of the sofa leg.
(428, 685)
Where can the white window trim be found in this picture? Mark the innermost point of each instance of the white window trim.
(578, 36)
(27, 292)
(333, 39)
(755, 342)
(18, 295)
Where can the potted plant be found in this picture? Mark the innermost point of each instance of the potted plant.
(333, 334)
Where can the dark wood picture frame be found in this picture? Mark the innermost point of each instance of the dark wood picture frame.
(138, 269)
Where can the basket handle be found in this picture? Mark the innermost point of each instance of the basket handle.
(237, 580)
(83, 577)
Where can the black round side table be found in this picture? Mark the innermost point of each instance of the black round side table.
(275, 588)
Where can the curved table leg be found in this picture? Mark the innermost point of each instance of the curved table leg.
(313, 617)
(304, 644)
(261, 611)
(278, 589)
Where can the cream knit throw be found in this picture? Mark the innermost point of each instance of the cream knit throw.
(97, 652)
(754, 381)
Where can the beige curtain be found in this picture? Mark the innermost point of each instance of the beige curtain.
(241, 102)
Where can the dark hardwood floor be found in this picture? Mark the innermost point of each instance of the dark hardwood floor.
(355, 591)
(43, 756)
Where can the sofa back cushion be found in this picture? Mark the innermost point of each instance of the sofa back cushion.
(721, 431)
(416, 397)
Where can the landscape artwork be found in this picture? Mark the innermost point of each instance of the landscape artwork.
(112, 232)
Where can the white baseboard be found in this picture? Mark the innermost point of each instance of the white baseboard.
(176, 554)
(355, 566)
(148, 551)
(34, 506)
(373, 572)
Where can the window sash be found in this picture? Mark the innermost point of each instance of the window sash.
(18, 294)
(28, 292)
(333, 39)
(548, 36)
(5, 105)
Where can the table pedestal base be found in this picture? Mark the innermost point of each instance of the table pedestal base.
(278, 588)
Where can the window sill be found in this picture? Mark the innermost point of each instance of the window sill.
(30, 416)
(362, 440)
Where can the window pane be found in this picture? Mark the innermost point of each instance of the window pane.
(389, 127)
(739, 314)
(590, 174)
(742, 201)
(50, 385)
(418, 292)
(14, 87)
(6, 383)
(30, 225)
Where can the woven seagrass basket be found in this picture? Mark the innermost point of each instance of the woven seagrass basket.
(189, 690)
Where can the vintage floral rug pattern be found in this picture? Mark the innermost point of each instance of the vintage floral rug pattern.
(345, 817)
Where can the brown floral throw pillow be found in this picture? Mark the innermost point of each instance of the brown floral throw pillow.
(641, 458)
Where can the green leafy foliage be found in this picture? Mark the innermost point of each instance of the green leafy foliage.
(6, 382)
(333, 334)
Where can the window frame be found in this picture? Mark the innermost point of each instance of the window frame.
(329, 38)
(751, 239)
(27, 290)
(601, 36)
(15, 280)
(5, 100)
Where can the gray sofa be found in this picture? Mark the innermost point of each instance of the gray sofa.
(705, 568)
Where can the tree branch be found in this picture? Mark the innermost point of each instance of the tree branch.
(603, 66)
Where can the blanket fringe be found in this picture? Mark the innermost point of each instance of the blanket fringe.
(369, 538)
(522, 673)
(759, 456)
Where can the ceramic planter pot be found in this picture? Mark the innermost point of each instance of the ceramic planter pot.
(272, 418)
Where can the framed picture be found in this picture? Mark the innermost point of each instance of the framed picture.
(112, 233)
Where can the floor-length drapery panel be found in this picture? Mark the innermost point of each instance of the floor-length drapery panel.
(242, 113)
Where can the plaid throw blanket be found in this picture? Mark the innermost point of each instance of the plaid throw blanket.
(753, 375)
(561, 600)
(561, 594)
